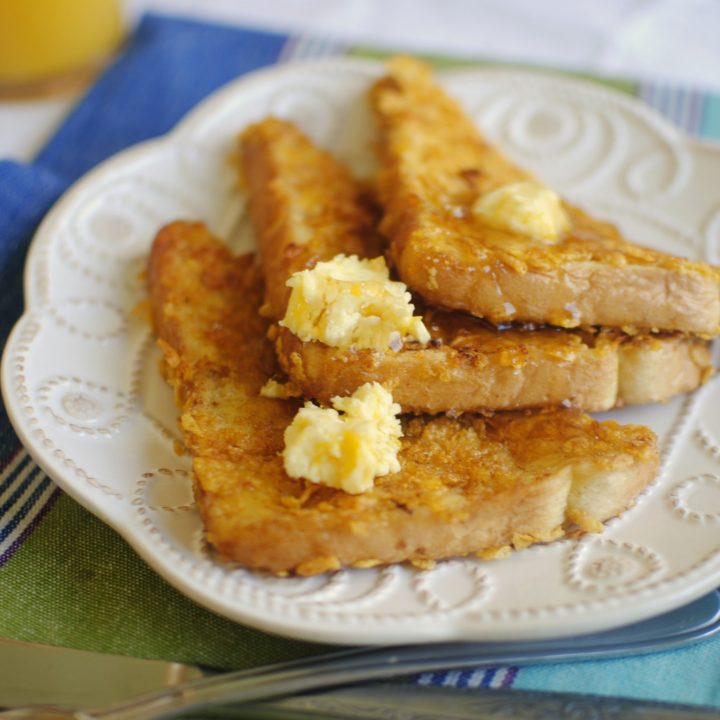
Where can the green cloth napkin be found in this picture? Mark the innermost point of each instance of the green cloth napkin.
(76, 583)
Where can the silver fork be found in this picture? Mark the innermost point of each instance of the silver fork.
(694, 622)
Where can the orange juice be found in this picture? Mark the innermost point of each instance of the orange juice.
(44, 41)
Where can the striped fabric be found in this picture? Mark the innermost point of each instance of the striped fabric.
(691, 110)
(26, 494)
(486, 678)
(302, 47)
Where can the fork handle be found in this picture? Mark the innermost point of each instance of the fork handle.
(414, 702)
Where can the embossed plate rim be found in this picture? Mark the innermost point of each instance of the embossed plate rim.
(202, 580)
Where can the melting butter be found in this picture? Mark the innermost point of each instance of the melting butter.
(347, 302)
(527, 208)
(346, 446)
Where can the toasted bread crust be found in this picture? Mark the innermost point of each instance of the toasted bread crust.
(214, 351)
(435, 164)
(466, 486)
(489, 371)
(506, 370)
(303, 187)
(469, 365)
(654, 369)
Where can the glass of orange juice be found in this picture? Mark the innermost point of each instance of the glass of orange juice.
(47, 44)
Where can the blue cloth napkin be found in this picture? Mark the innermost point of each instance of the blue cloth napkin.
(168, 66)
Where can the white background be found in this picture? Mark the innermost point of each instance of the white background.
(677, 41)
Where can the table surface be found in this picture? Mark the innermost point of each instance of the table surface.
(666, 40)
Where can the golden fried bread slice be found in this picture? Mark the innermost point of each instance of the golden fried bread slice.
(213, 345)
(468, 365)
(330, 211)
(473, 485)
(477, 368)
(435, 169)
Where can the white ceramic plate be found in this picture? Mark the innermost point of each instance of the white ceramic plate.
(81, 382)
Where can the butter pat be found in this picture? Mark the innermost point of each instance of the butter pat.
(351, 303)
(526, 208)
(346, 446)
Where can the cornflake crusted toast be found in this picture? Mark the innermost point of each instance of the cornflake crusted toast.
(436, 168)
(331, 213)
(468, 486)
(307, 208)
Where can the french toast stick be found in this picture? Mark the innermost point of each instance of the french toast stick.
(435, 165)
(472, 485)
(468, 365)
(330, 212)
